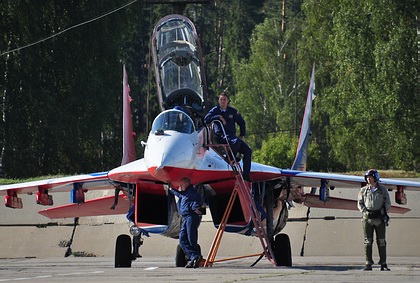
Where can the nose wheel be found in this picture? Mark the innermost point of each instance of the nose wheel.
(123, 251)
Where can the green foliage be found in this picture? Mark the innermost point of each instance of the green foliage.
(367, 93)
(277, 150)
(61, 95)
(280, 150)
(261, 92)
(225, 29)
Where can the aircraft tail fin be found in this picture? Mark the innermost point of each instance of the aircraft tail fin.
(305, 131)
(129, 152)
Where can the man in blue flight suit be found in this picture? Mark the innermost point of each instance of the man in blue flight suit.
(189, 205)
(229, 116)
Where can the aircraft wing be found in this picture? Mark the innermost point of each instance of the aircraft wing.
(312, 200)
(94, 181)
(134, 172)
(296, 179)
(313, 179)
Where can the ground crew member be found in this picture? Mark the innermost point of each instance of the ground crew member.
(374, 203)
(189, 205)
(229, 116)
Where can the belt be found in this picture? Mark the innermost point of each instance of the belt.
(374, 214)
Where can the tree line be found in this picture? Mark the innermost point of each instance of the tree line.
(61, 69)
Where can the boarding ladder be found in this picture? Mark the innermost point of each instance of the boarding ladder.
(242, 188)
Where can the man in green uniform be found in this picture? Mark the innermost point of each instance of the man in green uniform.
(374, 203)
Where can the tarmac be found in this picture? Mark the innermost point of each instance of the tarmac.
(161, 269)
(326, 247)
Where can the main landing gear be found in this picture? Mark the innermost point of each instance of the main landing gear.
(282, 250)
(180, 258)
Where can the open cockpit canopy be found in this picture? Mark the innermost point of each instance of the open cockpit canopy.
(178, 64)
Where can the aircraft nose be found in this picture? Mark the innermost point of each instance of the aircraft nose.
(169, 156)
(166, 163)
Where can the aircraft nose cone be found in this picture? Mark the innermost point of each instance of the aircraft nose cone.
(167, 158)
(164, 168)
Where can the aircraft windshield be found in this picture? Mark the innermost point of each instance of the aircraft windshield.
(173, 120)
(176, 77)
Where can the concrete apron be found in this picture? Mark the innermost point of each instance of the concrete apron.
(340, 237)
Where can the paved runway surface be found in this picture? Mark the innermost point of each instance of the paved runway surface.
(161, 269)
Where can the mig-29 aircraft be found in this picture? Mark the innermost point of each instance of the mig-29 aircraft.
(180, 145)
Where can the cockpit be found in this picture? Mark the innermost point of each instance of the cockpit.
(174, 120)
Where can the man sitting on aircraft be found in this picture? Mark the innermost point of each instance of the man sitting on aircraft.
(189, 205)
(229, 116)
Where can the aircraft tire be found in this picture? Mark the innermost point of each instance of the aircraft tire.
(282, 250)
(123, 251)
(180, 257)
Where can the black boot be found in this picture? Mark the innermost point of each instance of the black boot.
(368, 267)
(247, 178)
(382, 255)
(368, 256)
(190, 264)
(384, 267)
(197, 261)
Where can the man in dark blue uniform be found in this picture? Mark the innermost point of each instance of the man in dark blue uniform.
(229, 116)
(189, 205)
